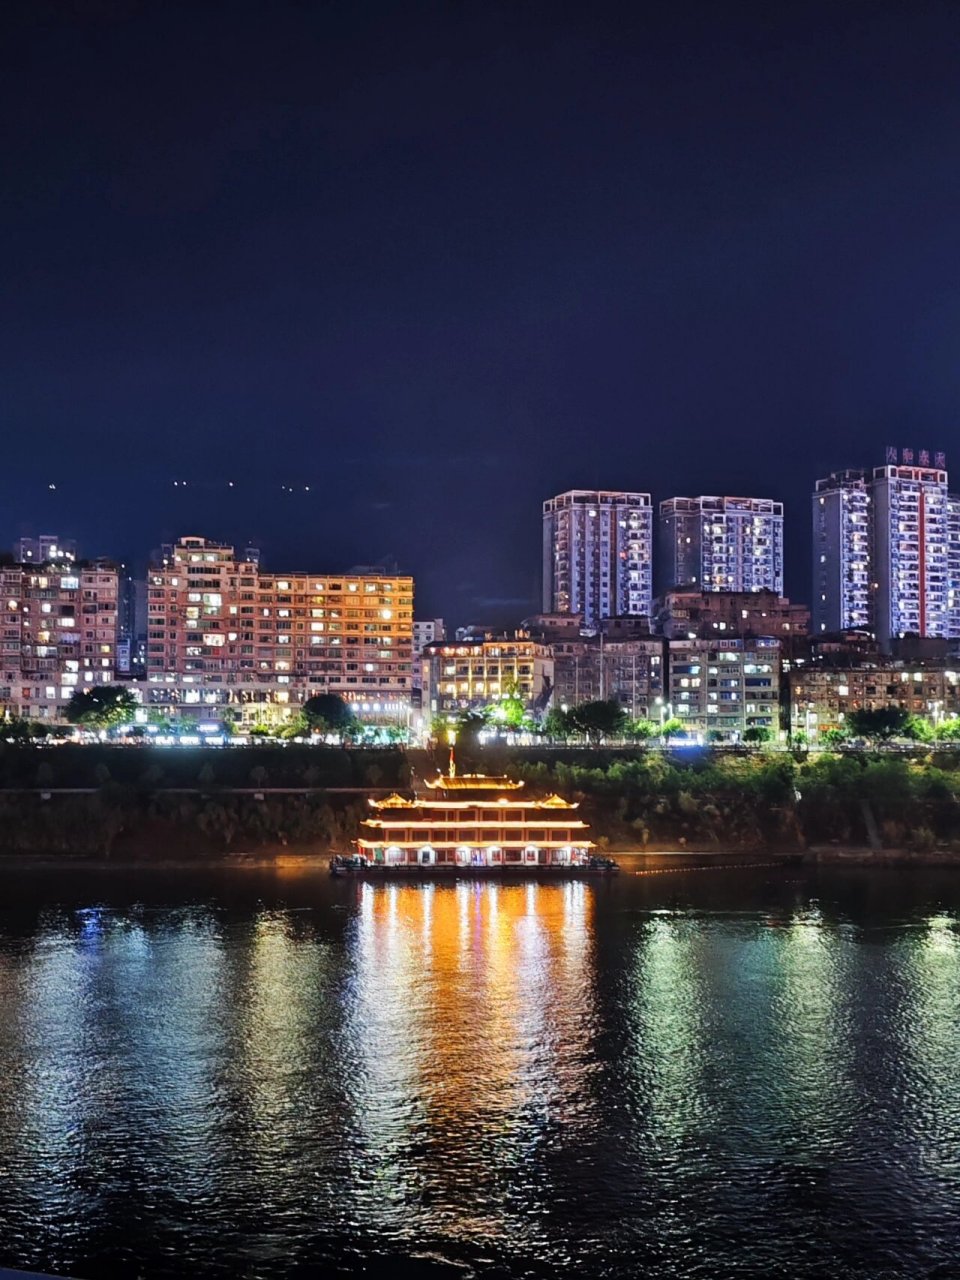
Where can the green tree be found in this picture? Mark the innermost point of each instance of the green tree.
(101, 707)
(468, 728)
(298, 727)
(598, 720)
(879, 724)
(18, 729)
(557, 724)
(672, 728)
(833, 737)
(509, 710)
(330, 712)
(948, 730)
(917, 729)
(639, 730)
(757, 733)
(440, 729)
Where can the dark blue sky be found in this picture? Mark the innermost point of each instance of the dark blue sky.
(439, 261)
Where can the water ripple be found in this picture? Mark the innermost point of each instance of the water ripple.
(293, 1077)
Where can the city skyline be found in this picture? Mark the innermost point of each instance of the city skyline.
(584, 272)
(467, 810)
(795, 537)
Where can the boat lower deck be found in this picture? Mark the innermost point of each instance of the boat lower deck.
(450, 870)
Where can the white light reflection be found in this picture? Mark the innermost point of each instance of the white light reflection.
(668, 1050)
(930, 1037)
(809, 1035)
(470, 1023)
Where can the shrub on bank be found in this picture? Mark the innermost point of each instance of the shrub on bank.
(759, 801)
(290, 765)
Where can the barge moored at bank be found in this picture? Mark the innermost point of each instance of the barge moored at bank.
(474, 823)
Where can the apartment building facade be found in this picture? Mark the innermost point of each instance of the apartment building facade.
(721, 688)
(953, 560)
(425, 631)
(886, 550)
(225, 637)
(706, 614)
(629, 671)
(722, 544)
(462, 674)
(59, 634)
(598, 554)
(821, 696)
(911, 557)
(842, 553)
(44, 549)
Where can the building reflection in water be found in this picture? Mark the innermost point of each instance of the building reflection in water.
(283, 989)
(470, 1021)
(742, 1029)
(930, 1038)
(97, 1028)
(667, 1044)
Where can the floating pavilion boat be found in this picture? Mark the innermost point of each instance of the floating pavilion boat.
(473, 822)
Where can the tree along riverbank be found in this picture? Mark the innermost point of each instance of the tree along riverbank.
(706, 800)
(141, 804)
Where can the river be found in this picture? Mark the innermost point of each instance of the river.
(267, 1074)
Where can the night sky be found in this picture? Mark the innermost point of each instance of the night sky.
(439, 262)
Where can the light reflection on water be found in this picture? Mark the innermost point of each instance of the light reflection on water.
(269, 1078)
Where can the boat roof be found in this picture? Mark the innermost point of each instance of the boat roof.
(472, 782)
(396, 801)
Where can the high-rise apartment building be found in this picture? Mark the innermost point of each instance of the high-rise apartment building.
(598, 554)
(953, 560)
(911, 537)
(886, 550)
(722, 544)
(58, 634)
(842, 553)
(222, 633)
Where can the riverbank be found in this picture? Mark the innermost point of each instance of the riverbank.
(631, 862)
(136, 805)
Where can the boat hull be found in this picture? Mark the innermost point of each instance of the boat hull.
(449, 871)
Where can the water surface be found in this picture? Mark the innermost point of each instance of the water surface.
(704, 1074)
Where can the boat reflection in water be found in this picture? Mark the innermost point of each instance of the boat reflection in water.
(470, 1025)
(283, 1073)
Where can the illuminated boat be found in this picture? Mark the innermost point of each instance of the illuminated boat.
(474, 822)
